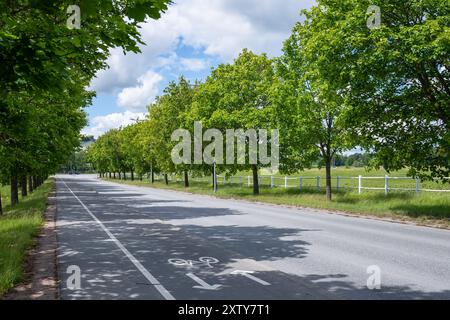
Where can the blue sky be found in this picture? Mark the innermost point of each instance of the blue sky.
(106, 102)
(192, 37)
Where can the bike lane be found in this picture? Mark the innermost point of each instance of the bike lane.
(193, 261)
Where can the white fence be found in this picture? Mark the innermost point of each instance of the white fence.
(339, 183)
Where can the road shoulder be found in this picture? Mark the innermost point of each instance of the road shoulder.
(40, 266)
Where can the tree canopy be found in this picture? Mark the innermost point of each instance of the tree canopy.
(45, 68)
(341, 82)
(395, 78)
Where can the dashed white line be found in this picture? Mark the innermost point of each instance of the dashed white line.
(158, 286)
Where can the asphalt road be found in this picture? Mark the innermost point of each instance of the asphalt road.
(141, 243)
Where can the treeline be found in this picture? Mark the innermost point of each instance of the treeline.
(77, 162)
(338, 85)
(45, 68)
(353, 160)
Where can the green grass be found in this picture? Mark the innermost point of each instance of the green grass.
(18, 227)
(427, 208)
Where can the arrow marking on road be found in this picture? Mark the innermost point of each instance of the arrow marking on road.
(202, 284)
(249, 275)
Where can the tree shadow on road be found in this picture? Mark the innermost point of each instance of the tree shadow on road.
(157, 231)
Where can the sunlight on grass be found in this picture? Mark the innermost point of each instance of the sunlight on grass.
(18, 227)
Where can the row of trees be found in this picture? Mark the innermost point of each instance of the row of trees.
(353, 160)
(45, 68)
(338, 85)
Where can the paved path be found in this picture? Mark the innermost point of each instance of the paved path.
(141, 243)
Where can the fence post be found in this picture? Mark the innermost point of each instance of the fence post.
(271, 182)
(318, 183)
(338, 184)
(417, 185)
(386, 184)
(248, 181)
(285, 182)
(359, 184)
(301, 183)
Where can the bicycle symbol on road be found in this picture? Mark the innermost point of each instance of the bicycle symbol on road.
(202, 261)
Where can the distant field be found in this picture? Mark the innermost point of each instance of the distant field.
(430, 208)
(18, 226)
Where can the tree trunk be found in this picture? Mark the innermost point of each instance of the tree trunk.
(153, 177)
(125, 176)
(23, 185)
(30, 184)
(186, 179)
(14, 191)
(328, 177)
(120, 176)
(109, 175)
(114, 175)
(166, 179)
(255, 179)
(132, 175)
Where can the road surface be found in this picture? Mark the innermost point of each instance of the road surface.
(140, 243)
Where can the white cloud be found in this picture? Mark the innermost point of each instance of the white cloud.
(193, 64)
(220, 28)
(217, 29)
(139, 97)
(102, 124)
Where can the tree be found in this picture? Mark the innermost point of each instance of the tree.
(40, 132)
(147, 149)
(44, 65)
(134, 151)
(395, 78)
(237, 96)
(310, 109)
(167, 115)
(37, 46)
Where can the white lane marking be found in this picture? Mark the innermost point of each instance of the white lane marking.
(158, 286)
(249, 275)
(203, 284)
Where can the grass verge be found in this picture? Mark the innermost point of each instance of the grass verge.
(18, 228)
(432, 209)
